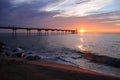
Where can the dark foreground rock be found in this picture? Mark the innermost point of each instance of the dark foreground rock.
(114, 62)
(19, 54)
(33, 57)
(1, 46)
(44, 70)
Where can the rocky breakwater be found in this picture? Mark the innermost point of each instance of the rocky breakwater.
(17, 52)
(114, 62)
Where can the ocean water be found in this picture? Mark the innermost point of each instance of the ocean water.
(68, 46)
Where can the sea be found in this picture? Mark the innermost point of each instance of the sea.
(66, 48)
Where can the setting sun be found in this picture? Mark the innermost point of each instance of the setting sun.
(82, 30)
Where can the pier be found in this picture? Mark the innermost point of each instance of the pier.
(39, 30)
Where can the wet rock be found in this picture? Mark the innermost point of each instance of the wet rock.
(2, 54)
(7, 54)
(88, 56)
(29, 53)
(1, 46)
(33, 57)
(18, 52)
(103, 59)
(19, 55)
(76, 57)
(113, 62)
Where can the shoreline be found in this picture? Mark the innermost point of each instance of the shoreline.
(47, 70)
(18, 64)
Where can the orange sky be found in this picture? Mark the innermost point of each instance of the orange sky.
(96, 27)
(91, 15)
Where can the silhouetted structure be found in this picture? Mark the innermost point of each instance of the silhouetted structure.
(40, 30)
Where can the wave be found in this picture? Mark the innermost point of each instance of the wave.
(65, 54)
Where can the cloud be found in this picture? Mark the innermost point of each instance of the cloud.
(111, 21)
(109, 18)
(59, 13)
(75, 8)
(20, 1)
(23, 13)
(103, 16)
(5, 8)
(27, 1)
(118, 24)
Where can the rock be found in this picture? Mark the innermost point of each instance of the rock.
(106, 60)
(18, 50)
(1, 46)
(7, 54)
(113, 62)
(33, 57)
(88, 56)
(19, 54)
(29, 52)
(76, 57)
(2, 54)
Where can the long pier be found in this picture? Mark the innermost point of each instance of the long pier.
(39, 30)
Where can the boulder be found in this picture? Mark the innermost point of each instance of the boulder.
(1, 46)
(19, 54)
(33, 57)
(106, 60)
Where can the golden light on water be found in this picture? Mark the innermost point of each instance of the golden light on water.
(81, 47)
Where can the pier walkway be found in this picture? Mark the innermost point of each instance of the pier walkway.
(39, 30)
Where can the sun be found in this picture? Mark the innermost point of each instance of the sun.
(82, 31)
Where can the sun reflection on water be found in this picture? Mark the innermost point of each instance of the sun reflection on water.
(81, 40)
(81, 45)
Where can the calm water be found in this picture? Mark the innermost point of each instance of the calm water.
(67, 46)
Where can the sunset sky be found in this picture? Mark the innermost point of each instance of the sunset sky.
(91, 15)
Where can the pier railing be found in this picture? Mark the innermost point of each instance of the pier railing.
(39, 30)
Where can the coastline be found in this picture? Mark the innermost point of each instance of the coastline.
(21, 65)
(14, 68)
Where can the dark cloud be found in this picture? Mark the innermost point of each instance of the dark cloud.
(4, 4)
(82, 1)
(30, 14)
(22, 14)
(5, 9)
(114, 15)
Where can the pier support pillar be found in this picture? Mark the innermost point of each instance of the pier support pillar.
(14, 32)
(39, 32)
(28, 32)
(74, 32)
(46, 32)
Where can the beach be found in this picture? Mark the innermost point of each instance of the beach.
(59, 39)
(36, 58)
(12, 68)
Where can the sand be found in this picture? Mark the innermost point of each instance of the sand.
(21, 69)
